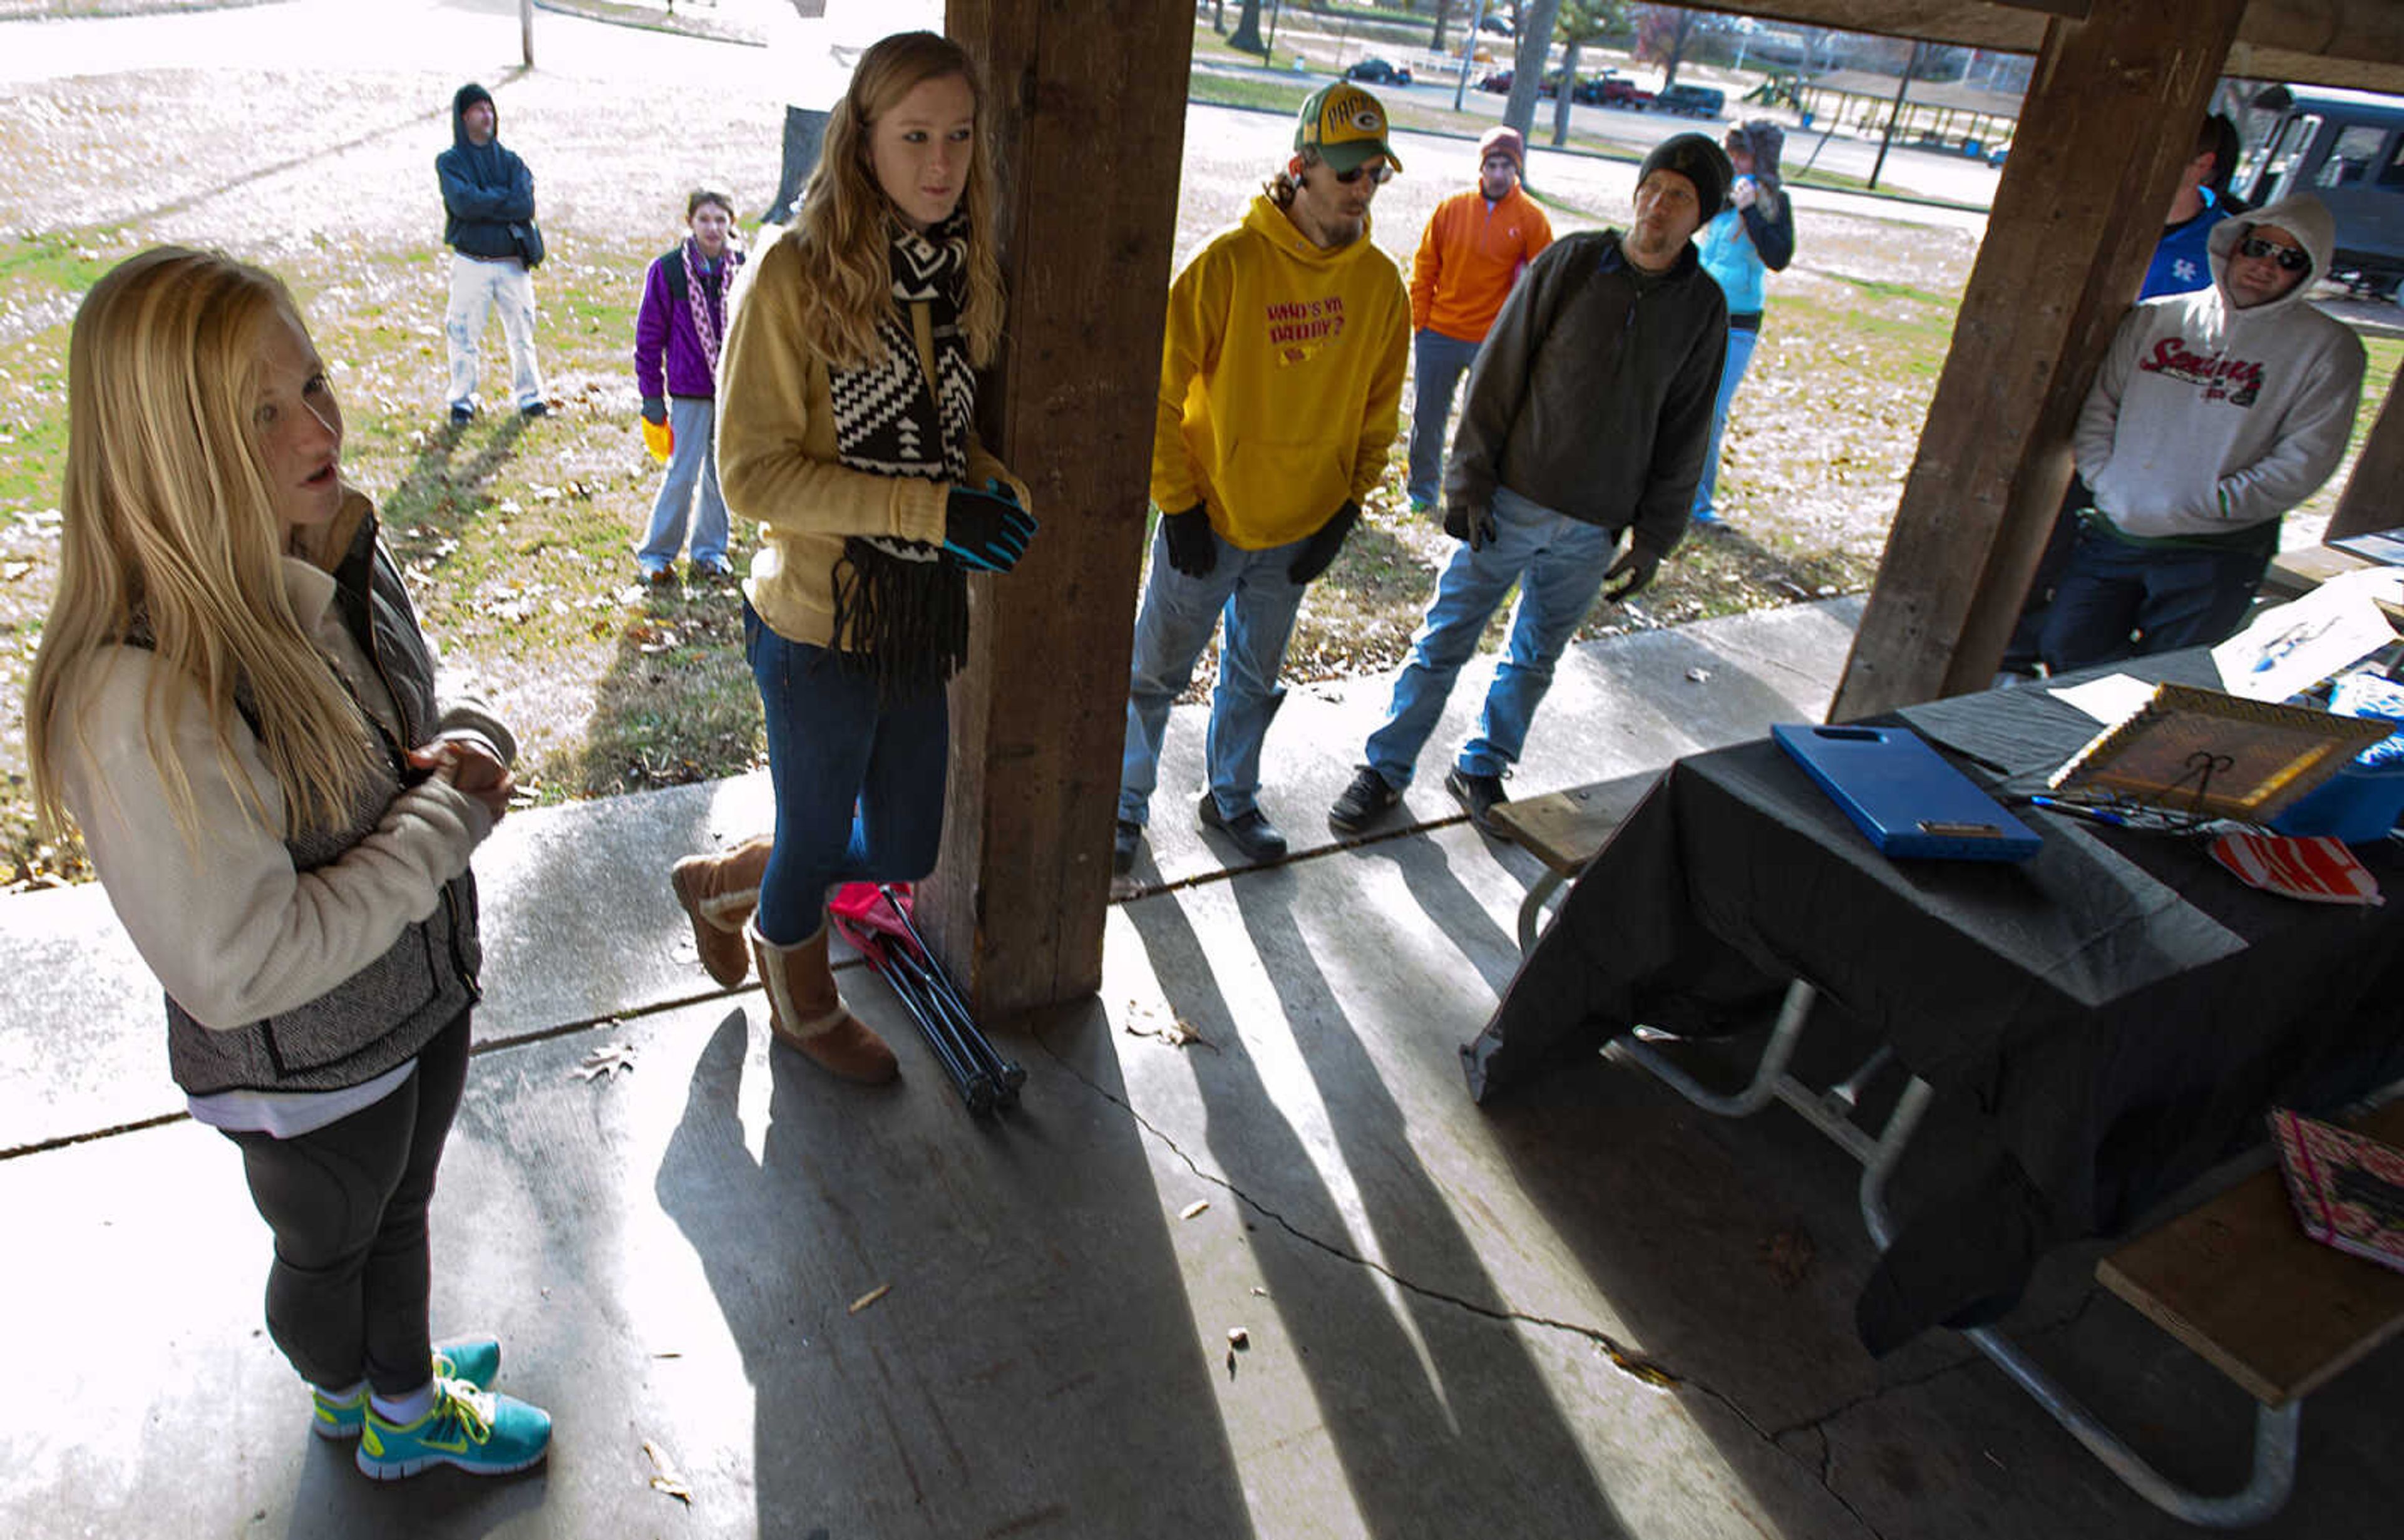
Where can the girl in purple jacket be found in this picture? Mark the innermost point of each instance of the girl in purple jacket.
(676, 336)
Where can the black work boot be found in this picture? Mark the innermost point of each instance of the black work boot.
(1250, 833)
(1478, 796)
(1369, 797)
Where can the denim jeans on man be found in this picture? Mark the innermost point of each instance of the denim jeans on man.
(1178, 615)
(479, 286)
(1436, 365)
(695, 459)
(2172, 596)
(1739, 353)
(1559, 563)
(858, 783)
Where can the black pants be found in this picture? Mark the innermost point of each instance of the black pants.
(347, 1296)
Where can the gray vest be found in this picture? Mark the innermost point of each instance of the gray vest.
(382, 1015)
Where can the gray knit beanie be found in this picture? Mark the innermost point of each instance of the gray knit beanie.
(1698, 158)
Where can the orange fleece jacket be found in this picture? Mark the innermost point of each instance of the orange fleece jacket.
(1468, 259)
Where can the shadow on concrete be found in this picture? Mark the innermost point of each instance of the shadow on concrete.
(1037, 1301)
(1476, 1433)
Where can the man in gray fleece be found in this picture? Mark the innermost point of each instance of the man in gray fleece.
(2215, 413)
(1589, 414)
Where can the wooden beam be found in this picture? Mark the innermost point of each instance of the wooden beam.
(2109, 120)
(2370, 500)
(1092, 136)
(2353, 43)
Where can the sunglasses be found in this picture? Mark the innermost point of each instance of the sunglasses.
(2294, 258)
(1379, 175)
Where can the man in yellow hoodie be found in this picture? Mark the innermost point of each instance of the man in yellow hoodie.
(1280, 383)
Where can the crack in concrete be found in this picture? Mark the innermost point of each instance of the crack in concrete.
(1644, 1370)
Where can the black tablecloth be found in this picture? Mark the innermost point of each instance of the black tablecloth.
(2115, 1014)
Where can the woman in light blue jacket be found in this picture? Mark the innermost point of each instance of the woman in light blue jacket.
(1741, 246)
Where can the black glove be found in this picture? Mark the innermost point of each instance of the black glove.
(1190, 549)
(655, 408)
(1322, 548)
(987, 533)
(1632, 571)
(1473, 525)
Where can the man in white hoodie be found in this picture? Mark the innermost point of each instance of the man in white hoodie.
(2215, 413)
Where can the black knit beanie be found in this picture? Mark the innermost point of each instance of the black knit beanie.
(1700, 160)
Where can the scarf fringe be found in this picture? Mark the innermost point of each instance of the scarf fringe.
(903, 623)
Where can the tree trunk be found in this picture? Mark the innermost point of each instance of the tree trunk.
(1677, 50)
(1219, 17)
(1442, 14)
(1534, 44)
(1568, 94)
(1248, 31)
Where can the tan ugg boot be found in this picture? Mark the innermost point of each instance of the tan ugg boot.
(805, 1014)
(717, 894)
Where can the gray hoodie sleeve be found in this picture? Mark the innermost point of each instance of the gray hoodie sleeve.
(2311, 440)
(2098, 416)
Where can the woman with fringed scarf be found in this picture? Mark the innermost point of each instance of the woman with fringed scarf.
(847, 392)
(676, 334)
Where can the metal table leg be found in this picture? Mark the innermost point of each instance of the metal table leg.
(1532, 908)
(2275, 1428)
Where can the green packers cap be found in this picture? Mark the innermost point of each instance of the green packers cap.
(1345, 125)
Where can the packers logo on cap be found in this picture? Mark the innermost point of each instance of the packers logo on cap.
(1345, 125)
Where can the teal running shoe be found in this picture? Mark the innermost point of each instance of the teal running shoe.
(476, 1360)
(483, 1433)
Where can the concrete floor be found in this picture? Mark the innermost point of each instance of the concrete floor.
(1591, 1311)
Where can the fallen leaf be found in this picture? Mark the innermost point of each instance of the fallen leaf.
(606, 1061)
(1699, 676)
(871, 1297)
(1238, 1338)
(14, 571)
(669, 1480)
(1194, 1208)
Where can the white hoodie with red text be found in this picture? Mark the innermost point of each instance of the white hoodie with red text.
(2207, 419)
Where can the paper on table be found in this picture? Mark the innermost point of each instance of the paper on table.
(2113, 698)
(2298, 645)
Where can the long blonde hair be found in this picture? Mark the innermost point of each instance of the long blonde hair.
(168, 524)
(846, 265)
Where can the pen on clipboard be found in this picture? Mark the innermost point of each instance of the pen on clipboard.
(2079, 810)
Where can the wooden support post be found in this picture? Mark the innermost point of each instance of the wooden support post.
(2108, 121)
(1092, 132)
(2370, 500)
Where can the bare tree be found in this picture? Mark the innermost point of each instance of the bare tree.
(1580, 23)
(1534, 45)
(1662, 33)
(1247, 39)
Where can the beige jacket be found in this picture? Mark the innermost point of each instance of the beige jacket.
(776, 459)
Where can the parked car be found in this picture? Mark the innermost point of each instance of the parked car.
(1377, 72)
(1690, 100)
(1497, 81)
(1613, 90)
(1497, 23)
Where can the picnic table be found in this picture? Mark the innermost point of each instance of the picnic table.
(2102, 1023)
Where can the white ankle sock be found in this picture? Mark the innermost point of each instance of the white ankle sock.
(401, 1410)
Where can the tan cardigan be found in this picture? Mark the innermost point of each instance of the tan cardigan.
(777, 459)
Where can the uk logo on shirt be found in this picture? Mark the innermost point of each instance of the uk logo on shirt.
(2185, 270)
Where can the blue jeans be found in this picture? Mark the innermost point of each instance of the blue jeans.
(1178, 615)
(1739, 353)
(1558, 564)
(2167, 596)
(858, 783)
(693, 459)
(1436, 365)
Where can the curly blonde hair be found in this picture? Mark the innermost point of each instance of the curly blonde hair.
(846, 215)
(168, 526)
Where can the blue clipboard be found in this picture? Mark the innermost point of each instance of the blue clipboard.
(1904, 796)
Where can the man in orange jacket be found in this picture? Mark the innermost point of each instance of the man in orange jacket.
(1477, 244)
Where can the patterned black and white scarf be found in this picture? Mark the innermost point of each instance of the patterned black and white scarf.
(900, 608)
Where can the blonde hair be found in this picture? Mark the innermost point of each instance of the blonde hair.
(168, 524)
(846, 265)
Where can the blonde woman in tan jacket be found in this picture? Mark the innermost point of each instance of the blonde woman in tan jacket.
(846, 399)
